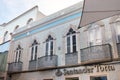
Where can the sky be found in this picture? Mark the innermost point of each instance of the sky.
(9, 9)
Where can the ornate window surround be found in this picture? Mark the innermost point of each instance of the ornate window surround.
(49, 46)
(74, 27)
(18, 53)
(71, 41)
(34, 50)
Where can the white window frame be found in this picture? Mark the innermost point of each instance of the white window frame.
(34, 54)
(18, 55)
(71, 41)
(49, 42)
(96, 35)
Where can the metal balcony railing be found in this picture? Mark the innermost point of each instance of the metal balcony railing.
(15, 66)
(47, 61)
(32, 64)
(71, 58)
(96, 54)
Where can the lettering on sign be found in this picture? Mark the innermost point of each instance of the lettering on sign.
(106, 68)
(86, 69)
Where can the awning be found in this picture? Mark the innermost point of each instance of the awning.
(95, 10)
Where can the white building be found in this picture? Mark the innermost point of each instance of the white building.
(55, 49)
(6, 31)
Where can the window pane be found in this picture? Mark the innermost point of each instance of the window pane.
(19, 55)
(75, 78)
(32, 50)
(74, 43)
(36, 48)
(47, 48)
(99, 78)
(51, 48)
(16, 56)
(74, 39)
(68, 41)
(68, 44)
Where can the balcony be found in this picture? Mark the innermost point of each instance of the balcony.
(15, 67)
(71, 58)
(118, 48)
(96, 54)
(32, 64)
(47, 61)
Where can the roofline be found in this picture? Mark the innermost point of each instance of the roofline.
(22, 14)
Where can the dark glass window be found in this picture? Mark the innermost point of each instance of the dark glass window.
(46, 48)
(99, 78)
(18, 53)
(72, 78)
(74, 43)
(16, 56)
(71, 41)
(51, 48)
(68, 44)
(34, 50)
(49, 45)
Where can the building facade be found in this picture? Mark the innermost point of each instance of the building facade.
(55, 49)
(8, 29)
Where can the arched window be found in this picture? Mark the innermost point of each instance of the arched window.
(71, 41)
(95, 35)
(34, 50)
(18, 54)
(5, 38)
(49, 45)
(30, 21)
(16, 27)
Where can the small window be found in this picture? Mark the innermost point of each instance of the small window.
(98, 78)
(72, 78)
(18, 53)
(5, 38)
(16, 27)
(34, 50)
(49, 45)
(30, 21)
(71, 41)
